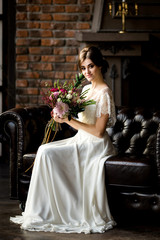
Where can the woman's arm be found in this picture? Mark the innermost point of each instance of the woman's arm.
(98, 129)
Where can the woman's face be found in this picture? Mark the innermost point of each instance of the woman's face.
(90, 70)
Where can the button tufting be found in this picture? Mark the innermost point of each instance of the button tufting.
(135, 200)
(154, 201)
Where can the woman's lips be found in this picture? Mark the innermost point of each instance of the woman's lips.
(88, 76)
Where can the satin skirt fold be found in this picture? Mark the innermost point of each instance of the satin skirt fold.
(67, 191)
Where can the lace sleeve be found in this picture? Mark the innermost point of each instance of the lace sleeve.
(105, 105)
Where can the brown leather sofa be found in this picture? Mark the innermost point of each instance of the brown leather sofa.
(132, 176)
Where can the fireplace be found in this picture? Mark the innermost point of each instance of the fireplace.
(133, 57)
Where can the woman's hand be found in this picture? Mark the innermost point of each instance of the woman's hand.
(98, 129)
(58, 119)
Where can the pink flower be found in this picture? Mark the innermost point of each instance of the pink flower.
(61, 109)
(56, 94)
(54, 90)
(63, 90)
(51, 97)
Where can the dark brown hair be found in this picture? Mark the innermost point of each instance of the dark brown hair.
(95, 55)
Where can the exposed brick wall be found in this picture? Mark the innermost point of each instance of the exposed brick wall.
(46, 47)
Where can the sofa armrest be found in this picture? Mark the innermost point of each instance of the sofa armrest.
(158, 155)
(11, 130)
(22, 129)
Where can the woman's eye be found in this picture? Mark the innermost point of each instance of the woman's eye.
(91, 66)
(82, 68)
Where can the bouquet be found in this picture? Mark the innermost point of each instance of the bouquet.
(66, 100)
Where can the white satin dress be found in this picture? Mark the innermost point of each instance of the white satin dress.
(67, 191)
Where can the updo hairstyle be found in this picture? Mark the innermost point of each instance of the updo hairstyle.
(95, 55)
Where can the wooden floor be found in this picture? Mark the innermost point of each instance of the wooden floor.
(11, 231)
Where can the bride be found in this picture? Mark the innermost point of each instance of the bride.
(67, 190)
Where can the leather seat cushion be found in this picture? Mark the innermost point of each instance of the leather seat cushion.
(130, 171)
(28, 160)
(120, 170)
(25, 175)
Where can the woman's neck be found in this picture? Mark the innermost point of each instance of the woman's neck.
(98, 84)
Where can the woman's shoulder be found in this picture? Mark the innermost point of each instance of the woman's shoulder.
(106, 90)
(105, 95)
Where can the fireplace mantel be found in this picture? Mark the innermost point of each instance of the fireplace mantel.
(112, 37)
(133, 56)
(115, 46)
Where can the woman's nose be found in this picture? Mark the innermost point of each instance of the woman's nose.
(87, 70)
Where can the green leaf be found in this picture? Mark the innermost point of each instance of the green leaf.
(79, 78)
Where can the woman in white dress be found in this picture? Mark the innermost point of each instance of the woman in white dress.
(67, 190)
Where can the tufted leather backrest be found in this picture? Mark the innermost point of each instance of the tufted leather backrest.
(33, 121)
(135, 131)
